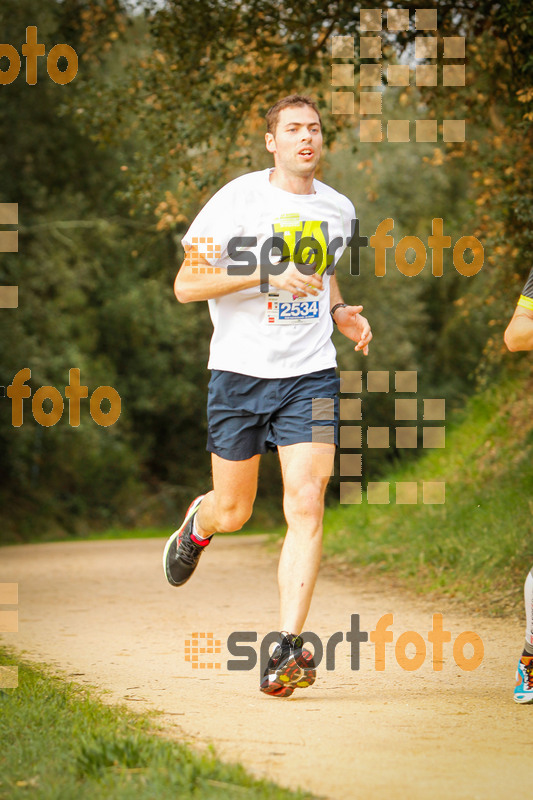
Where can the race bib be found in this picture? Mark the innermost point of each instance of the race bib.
(283, 310)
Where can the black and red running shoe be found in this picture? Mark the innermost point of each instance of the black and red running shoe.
(289, 667)
(182, 550)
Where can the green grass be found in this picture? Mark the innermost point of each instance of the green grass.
(251, 527)
(58, 743)
(479, 544)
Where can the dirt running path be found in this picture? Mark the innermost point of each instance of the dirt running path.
(102, 613)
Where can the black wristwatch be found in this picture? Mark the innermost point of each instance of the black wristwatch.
(335, 307)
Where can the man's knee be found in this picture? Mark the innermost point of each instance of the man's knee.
(232, 516)
(306, 500)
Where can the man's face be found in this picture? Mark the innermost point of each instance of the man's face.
(297, 141)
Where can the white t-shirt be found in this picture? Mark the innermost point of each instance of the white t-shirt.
(251, 337)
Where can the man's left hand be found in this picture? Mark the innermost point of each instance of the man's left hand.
(354, 326)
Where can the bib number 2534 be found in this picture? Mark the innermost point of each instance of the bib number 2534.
(302, 310)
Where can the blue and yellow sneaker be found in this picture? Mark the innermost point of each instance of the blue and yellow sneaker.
(523, 692)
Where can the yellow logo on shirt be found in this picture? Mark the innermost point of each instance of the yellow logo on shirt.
(307, 242)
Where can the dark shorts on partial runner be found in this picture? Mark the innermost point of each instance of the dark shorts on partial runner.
(247, 416)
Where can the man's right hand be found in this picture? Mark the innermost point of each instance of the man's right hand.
(294, 281)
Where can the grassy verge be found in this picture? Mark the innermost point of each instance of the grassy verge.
(60, 744)
(251, 528)
(479, 544)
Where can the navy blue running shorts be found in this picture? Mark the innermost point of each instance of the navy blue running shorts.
(247, 416)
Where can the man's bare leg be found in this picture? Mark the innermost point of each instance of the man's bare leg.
(229, 505)
(306, 468)
(226, 508)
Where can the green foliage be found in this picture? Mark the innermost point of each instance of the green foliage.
(95, 294)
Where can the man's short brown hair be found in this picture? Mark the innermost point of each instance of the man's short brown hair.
(273, 113)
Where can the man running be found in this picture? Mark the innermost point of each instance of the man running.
(273, 382)
(519, 336)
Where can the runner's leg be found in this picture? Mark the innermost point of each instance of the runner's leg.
(306, 468)
(528, 599)
(229, 505)
(523, 691)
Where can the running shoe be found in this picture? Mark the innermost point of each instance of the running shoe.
(523, 692)
(183, 550)
(289, 667)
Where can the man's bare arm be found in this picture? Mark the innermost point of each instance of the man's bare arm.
(519, 332)
(349, 320)
(193, 285)
(334, 292)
